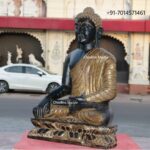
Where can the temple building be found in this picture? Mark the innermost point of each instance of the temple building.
(42, 31)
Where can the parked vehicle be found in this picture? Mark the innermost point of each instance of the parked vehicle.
(27, 77)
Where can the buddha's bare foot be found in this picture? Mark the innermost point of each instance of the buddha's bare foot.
(40, 111)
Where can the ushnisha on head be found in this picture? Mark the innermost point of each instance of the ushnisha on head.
(93, 33)
(88, 13)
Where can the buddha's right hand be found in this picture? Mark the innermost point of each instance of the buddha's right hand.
(40, 110)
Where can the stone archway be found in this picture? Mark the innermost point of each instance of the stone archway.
(117, 48)
(11, 41)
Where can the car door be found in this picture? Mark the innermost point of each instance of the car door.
(16, 77)
(34, 80)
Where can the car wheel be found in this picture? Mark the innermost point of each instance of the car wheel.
(52, 86)
(3, 87)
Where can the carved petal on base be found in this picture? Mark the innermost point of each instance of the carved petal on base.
(102, 137)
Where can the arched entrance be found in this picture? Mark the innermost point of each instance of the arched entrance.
(10, 43)
(117, 49)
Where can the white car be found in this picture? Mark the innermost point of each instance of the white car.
(27, 77)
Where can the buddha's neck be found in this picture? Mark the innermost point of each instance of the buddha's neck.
(89, 46)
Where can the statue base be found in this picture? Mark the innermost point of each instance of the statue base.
(91, 136)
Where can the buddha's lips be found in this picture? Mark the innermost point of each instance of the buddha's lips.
(81, 38)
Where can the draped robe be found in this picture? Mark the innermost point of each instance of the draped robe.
(94, 76)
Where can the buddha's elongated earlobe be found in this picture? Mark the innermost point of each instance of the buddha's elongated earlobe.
(98, 36)
(100, 32)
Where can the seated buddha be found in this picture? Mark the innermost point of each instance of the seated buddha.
(88, 83)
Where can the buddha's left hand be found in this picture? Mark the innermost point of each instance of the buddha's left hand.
(80, 98)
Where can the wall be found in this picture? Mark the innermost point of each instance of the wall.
(56, 43)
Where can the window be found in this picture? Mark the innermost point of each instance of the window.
(30, 70)
(15, 69)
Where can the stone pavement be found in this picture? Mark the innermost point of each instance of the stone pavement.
(8, 138)
(143, 142)
(133, 98)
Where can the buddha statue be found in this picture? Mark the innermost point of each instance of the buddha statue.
(78, 111)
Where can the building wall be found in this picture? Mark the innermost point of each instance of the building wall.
(70, 8)
(56, 43)
(136, 44)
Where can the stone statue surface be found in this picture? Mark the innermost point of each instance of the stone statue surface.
(78, 111)
(19, 54)
(9, 58)
(34, 61)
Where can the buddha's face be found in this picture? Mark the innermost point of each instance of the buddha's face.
(85, 31)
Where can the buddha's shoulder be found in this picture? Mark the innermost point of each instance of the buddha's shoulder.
(105, 53)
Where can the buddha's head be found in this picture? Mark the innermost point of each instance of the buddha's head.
(88, 27)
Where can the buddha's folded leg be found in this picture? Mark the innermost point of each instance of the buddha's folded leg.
(60, 113)
(57, 111)
(91, 116)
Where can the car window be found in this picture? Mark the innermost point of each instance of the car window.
(49, 72)
(15, 69)
(31, 70)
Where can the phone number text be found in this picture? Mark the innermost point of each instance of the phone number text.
(126, 12)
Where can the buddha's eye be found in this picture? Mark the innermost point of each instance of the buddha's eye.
(90, 26)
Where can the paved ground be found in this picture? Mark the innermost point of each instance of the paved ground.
(135, 121)
(131, 114)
